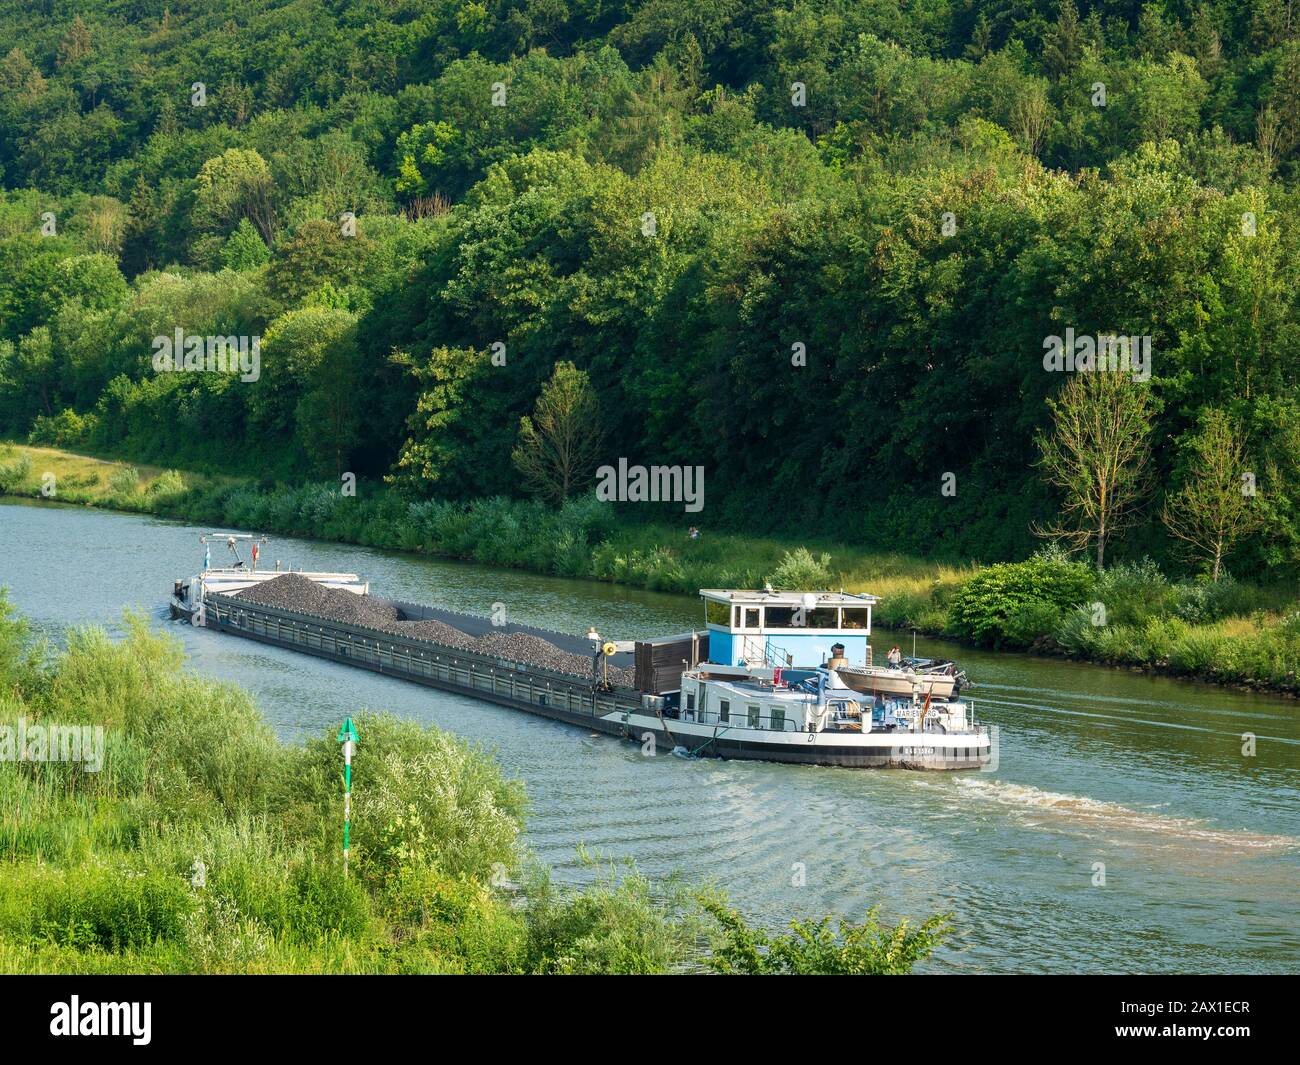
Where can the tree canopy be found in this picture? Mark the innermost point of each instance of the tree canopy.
(814, 248)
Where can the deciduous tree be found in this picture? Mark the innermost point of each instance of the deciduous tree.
(1216, 505)
(1097, 453)
(558, 445)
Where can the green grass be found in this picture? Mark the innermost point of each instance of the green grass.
(68, 477)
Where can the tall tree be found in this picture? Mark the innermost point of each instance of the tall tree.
(1064, 43)
(558, 445)
(1097, 454)
(233, 185)
(1215, 508)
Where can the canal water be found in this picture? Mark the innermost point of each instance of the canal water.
(1122, 831)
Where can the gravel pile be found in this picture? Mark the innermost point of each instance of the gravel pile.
(432, 629)
(523, 647)
(292, 591)
(535, 651)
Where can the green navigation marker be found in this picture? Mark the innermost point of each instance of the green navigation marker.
(348, 737)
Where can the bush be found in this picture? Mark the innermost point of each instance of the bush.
(220, 939)
(1200, 602)
(981, 608)
(422, 799)
(323, 903)
(456, 926)
(112, 909)
(614, 927)
(1133, 593)
(124, 481)
(1030, 621)
(15, 468)
(800, 571)
(64, 429)
(814, 948)
(167, 487)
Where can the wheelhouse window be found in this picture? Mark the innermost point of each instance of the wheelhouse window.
(856, 617)
(717, 613)
(824, 617)
(754, 717)
(724, 710)
(752, 615)
(783, 617)
(778, 719)
(690, 700)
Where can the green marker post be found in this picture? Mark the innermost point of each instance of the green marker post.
(348, 737)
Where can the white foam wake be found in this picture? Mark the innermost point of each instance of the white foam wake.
(1113, 817)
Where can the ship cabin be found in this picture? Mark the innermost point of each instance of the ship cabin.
(799, 629)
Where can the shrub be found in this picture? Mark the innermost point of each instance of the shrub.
(124, 480)
(324, 903)
(221, 939)
(456, 925)
(981, 607)
(422, 798)
(61, 430)
(1031, 620)
(167, 486)
(1196, 651)
(1134, 592)
(15, 468)
(799, 570)
(111, 908)
(614, 927)
(1200, 602)
(815, 948)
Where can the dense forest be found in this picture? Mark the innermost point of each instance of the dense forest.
(815, 247)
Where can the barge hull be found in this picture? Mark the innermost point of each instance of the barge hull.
(557, 696)
(899, 755)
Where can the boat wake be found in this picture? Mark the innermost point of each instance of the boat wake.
(1083, 812)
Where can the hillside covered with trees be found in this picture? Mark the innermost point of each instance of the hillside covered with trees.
(814, 247)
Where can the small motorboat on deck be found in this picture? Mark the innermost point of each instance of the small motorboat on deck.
(923, 676)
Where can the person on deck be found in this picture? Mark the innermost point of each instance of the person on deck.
(895, 657)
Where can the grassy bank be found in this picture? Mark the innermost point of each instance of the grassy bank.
(1229, 632)
(194, 841)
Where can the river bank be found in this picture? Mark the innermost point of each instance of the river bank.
(1133, 616)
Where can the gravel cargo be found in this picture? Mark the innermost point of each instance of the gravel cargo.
(292, 591)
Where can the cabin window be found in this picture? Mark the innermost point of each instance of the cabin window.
(856, 617)
(751, 617)
(716, 613)
(754, 717)
(690, 700)
(783, 617)
(778, 719)
(724, 710)
(824, 617)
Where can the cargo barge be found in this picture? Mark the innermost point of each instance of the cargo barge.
(724, 692)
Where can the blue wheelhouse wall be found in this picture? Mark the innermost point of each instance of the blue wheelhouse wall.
(808, 649)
